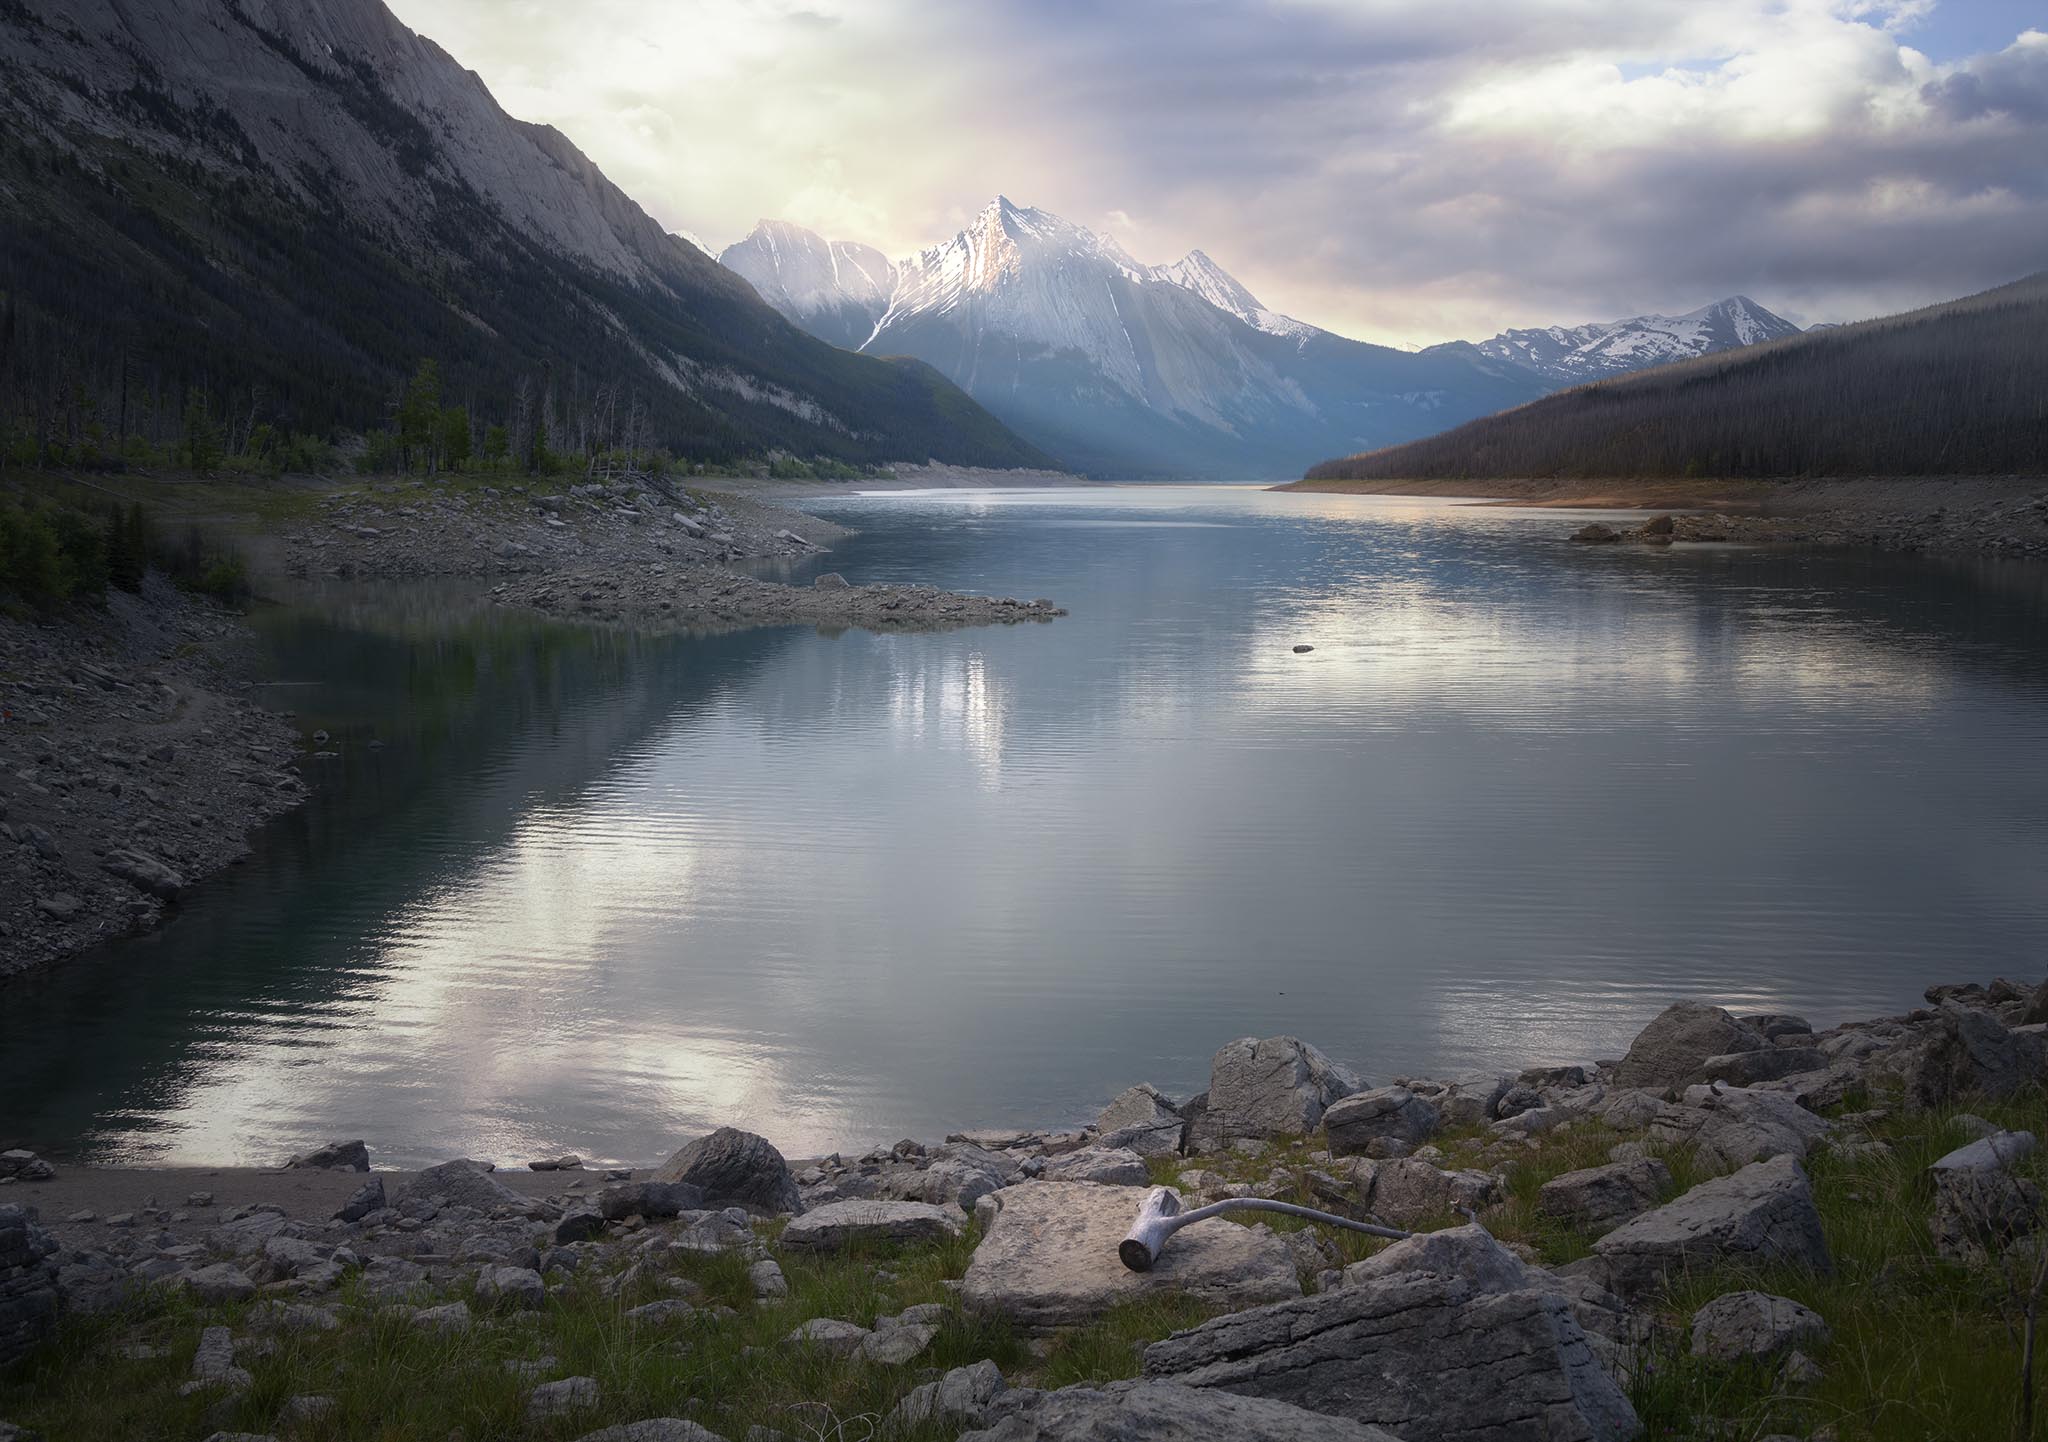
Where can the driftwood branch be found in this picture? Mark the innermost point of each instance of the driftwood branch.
(1159, 1217)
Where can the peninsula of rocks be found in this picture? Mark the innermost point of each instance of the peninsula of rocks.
(1677, 1242)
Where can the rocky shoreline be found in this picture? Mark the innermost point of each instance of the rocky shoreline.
(132, 763)
(1693, 1166)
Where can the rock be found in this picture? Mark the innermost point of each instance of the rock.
(834, 1225)
(768, 1282)
(144, 872)
(213, 1364)
(830, 581)
(1149, 1122)
(1154, 1411)
(1742, 1125)
(1303, 650)
(578, 1227)
(662, 1313)
(450, 1317)
(956, 1174)
(897, 1345)
(1657, 526)
(1973, 1054)
(1754, 1326)
(1105, 1166)
(2036, 1010)
(654, 1429)
(1389, 1112)
(29, 1282)
(1468, 1253)
(1598, 1199)
(1421, 1354)
(1407, 1190)
(461, 1183)
(1763, 1215)
(221, 1282)
(1278, 1087)
(1996, 1152)
(958, 1399)
(1769, 1063)
(1671, 1049)
(568, 1162)
(735, 1166)
(519, 1287)
(1771, 1025)
(1596, 535)
(334, 1157)
(1469, 1101)
(829, 1334)
(59, 906)
(367, 1198)
(293, 1317)
(389, 1278)
(305, 1407)
(1980, 1207)
(571, 1394)
(1048, 1257)
(648, 1199)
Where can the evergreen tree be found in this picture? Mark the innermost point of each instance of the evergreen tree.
(201, 443)
(419, 416)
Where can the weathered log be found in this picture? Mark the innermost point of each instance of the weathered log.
(1159, 1217)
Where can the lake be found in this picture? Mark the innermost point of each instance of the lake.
(597, 892)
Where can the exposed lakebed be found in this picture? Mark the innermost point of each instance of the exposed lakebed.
(598, 891)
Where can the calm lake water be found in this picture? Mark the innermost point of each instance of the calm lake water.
(600, 892)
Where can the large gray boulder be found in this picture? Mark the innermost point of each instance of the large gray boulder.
(1763, 1215)
(1973, 1053)
(1598, 1199)
(836, 1225)
(1106, 1166)
(460, 1183)
(1743, 1125)
(1980, 1205)
(648, 1199)
(1144, 1119)
(1753, 1327)
(1421, 1354)
(1765, 1064)
(1386, 1113)
(1048, 1257)
(958, 1399)
(1670, 1051)
(732, 1166)
(28, 1282)
(1468, 1253)
(1408, 1190)
(334, 1157)
(1278, 1087)
(1152, 1411)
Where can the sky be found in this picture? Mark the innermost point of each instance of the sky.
(1402, 171)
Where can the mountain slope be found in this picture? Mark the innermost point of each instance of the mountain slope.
(1125, 369)
(284, 204)
(1954, 389)
(836, 290)
(1572, 355)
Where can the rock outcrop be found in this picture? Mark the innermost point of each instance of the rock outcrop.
(1673, 1048)
(1278, 1087)
(1763, 1215)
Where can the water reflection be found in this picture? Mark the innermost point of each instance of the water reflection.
(595, 892)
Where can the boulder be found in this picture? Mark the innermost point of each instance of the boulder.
(1421, 1354)
(144, 872)
(28, 1282)
(1468, 1253)
(571, 1394)
(1148, 1121)
(1671, 1049)
(735, 1166)
(334, 1157)
(653, 1200)
(1765, 1064)
(1393, 1113)
(367, 1198)
(1595, 534)
(1048, 1257)
(1741, 1125)
(653, 1429)
(1105, 1166)
(460, 1183)
(1754, 1327)
(1407, 1190)
(958, 1174)
(1598, 1199)
(829, 1334)
(1772, 1025)
(1763, 1215)
(840, 1224)
(1278, 1087)
(894, 1346)
(2036, 1010)
(1154, 1411)
(1469, 1101)
(958, 1399)
(1972, 1054)
(512, 1287)
(1980, 1206)
(221, 1282)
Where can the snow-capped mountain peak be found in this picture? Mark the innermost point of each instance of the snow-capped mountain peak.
(1195, 271)
(1573, 354)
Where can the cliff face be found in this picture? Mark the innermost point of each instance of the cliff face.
(324, 197)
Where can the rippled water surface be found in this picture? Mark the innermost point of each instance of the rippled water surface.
(598, 892)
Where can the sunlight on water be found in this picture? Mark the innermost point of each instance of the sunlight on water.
(599, 892)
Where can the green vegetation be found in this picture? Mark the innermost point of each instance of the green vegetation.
(1953, 390)
(54, 553)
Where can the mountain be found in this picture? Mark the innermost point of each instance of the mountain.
(1571, 355)
(281, 206)
(1954, 389)
(1117, 367)
(836, 290)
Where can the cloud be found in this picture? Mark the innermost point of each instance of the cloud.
(1401, 170)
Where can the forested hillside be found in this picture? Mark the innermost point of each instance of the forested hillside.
(257, 220)
(1955, 389)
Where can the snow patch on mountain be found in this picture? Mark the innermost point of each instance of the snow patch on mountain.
(1574, 354)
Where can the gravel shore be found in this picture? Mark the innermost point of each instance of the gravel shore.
(131, 765)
